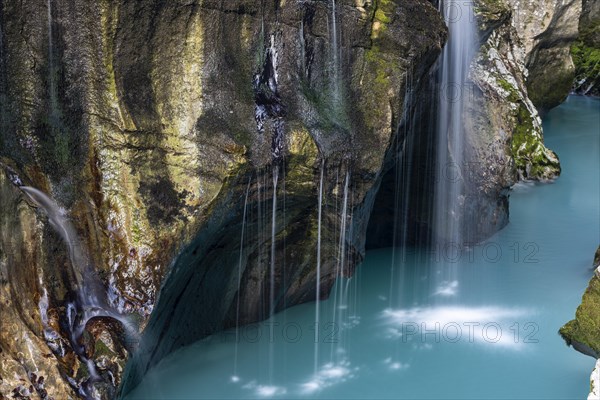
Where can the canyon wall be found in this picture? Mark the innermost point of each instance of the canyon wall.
(158, 126)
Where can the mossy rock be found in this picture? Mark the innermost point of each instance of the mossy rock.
(513, 93)
(101, 349)
(583, 333)
(532, 159)
(586, 58)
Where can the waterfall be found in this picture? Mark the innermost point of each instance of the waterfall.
(318, 284)
(272, 270)
(259, 224)
(302, 48)
(2, 82)
(273, 230)
(402, 178)
(51, 71)
(450, 136)
(339, 299)
(91, 297)
(334, 44)
(343, 225)
(235, 377)
(60, 223)
(335, 50)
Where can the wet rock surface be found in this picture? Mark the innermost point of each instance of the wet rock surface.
(157, 125)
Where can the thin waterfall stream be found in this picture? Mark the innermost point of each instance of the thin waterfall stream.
(318, 273)
(91, 301)
(449, 190)
(338, 299)
(51, 66)
(234, 377)
(335, 50)
(273, 242)
(272, 297)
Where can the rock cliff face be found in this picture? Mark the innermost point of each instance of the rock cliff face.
(503, 129)
(586, 51)
(166, 129)
(341, 88)
(29, 271)
(583, 333)
(151, 123)
(547, 29)
(508, 73)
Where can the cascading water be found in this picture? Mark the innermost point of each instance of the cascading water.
(51, 67)
(235, 377)
(273, 247)
(450, 136)
(339, 300)
(272, 267)
(318, 284)
(91, 299)
(60, 223)
(335, 52)
(402, 174)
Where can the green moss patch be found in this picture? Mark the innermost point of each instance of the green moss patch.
(513, 94)
(532, 159)
(585, 328)
(587, 65)
(101, 349)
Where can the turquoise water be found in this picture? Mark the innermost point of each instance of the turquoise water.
(491, 332)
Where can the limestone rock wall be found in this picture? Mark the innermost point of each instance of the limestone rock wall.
(502, 74)
(582, 332)
(547, 29)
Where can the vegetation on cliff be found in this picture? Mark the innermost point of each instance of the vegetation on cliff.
(583, 333)
(586, 50)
